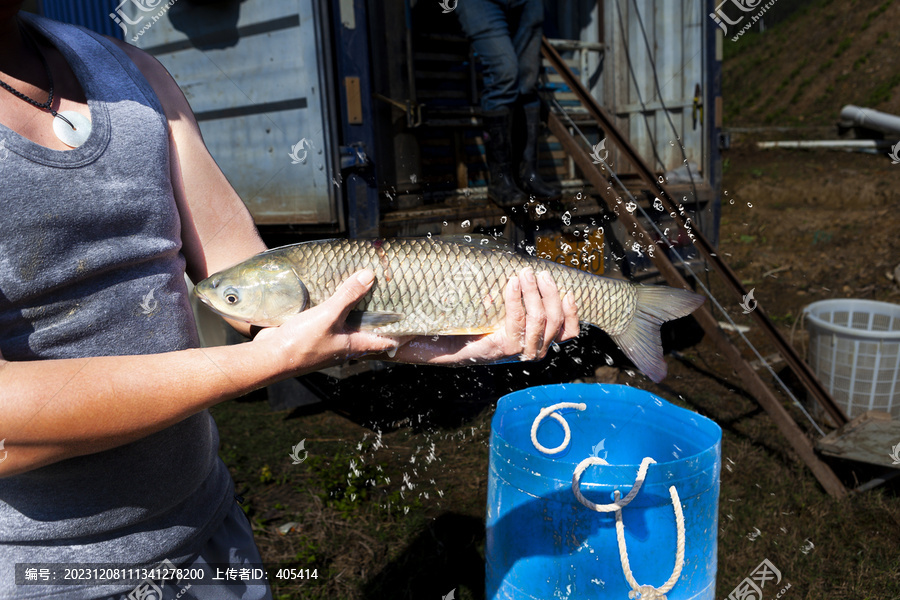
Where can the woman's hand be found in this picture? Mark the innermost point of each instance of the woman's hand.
(318, 338)
(535, 318)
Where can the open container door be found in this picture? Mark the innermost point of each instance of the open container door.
(257, 75)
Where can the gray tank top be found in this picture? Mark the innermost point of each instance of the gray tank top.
(91, 265)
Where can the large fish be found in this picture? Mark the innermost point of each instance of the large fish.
(429, 286)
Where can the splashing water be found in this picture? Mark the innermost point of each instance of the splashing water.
(466, 223)
(567, 218)
(540, 209)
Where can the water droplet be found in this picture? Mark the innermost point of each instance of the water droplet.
(567, 218)
(578, 195)
(468, 238)
(731, 201)
(749, 205)
(529, 250)
(412, 178)
(662, 179)
(466, 223)
(445, 223)
(631, 207)
(540, 209)
(671, 143)
(503, 219)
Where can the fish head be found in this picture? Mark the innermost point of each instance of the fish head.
(264, 290)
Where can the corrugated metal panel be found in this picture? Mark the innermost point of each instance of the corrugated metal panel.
(672, 38)
(93, 14)
(253, 73)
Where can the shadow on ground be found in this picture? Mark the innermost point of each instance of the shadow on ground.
(447, 555)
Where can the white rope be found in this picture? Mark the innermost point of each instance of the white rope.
(648, 592)
(644, 592)
(549, 411)
(617, 505)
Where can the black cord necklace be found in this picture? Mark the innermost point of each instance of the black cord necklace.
(77, 134)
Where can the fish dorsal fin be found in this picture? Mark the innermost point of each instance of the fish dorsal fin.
(479, 240)
(367, 320)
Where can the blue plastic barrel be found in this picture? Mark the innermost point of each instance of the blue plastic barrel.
(543, 543)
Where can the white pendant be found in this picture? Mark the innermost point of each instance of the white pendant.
(67, 135)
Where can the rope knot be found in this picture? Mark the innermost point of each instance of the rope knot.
(646, 592)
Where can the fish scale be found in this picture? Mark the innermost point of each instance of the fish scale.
(431, 286)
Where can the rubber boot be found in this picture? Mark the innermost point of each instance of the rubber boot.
(502, 188)
(529, 177)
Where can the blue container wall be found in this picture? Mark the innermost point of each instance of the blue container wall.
(93, 14)
(542, 543)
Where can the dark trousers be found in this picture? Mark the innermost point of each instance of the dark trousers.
(506, 35)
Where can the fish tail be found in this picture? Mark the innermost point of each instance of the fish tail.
(641, 341)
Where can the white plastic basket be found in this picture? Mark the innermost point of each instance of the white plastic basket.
(854, 349)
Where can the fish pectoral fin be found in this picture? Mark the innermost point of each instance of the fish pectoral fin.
(372, 319)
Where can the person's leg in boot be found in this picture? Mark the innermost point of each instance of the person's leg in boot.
(485, 24)
(502, 187)
(529, 176)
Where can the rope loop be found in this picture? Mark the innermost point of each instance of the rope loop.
(648, 592)
(618, 504)
(549, 411)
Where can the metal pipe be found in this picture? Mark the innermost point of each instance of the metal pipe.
(870, 119)
(828, 144)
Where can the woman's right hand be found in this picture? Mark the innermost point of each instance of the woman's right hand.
(318, 338)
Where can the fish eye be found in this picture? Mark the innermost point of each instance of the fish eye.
(231, 296)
